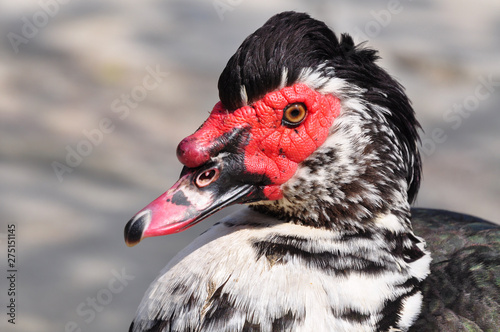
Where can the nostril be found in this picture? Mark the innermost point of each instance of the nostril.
(207, 177)
(191, 154)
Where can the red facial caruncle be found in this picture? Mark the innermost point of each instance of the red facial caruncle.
(239, 156)
(274, 149)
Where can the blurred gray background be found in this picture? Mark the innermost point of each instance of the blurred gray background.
(65, 65)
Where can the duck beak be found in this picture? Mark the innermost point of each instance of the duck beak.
(198, 194)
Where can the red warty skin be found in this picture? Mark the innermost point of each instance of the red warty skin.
(274, 150)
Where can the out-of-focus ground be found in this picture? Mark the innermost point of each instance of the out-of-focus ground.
(63, 75)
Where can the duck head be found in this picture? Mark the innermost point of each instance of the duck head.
(308, 129)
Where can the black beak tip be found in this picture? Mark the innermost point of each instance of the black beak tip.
(135, 228)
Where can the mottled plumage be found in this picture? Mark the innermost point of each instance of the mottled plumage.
(321, 143)
(271, 274)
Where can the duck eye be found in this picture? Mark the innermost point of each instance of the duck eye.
(294, 114)
(207, 177)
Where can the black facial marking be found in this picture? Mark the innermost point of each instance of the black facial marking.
(180, 199)
(233, 141)
(232, 171)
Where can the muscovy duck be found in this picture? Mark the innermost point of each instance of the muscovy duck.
(321, 144)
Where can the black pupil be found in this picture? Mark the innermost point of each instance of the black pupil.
(294, 113)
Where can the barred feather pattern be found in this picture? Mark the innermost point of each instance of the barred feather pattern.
(302, 279)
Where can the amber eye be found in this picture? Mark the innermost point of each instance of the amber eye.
(206, 177)
(294, 114)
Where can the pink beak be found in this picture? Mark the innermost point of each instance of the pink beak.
(183, 205)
